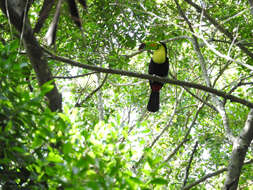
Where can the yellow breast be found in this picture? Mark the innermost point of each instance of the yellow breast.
(159, 56)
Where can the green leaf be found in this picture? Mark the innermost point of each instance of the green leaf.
(159, 181)
(52, 157)
(135, 180)
(47, 87)
(18, 149)
(67, 148)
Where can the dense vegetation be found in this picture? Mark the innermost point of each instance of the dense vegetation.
(99, 135)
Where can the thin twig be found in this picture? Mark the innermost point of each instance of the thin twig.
(127, 84)
(164, 129)
(251, 6)
(93, 92)
(233, 41)
(72, 77)
(219, 27)
(236, 15)
(198, 98)
(240, 83)
(133, 54)
(186, 135)
(222, 70)
(189, 164)
(23, 25)
(8, 16)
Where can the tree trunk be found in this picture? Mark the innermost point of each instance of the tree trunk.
(16, 11)
(240, 148)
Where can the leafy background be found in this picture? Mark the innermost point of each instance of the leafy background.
(110, 141)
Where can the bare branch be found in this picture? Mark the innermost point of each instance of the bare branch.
(195, 96)
(251, 6)
(205, 178)
(222, 70)
(220, 27)
(189, 164)
(93, 92)
(240, 83)
(73, 77)
(43, 15)
(236, 15)
(51, 32)
(127, 84)
(133, 54)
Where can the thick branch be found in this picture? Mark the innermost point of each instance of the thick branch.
(33, 49)
(151, 77)
(240, 148)
(211, 175)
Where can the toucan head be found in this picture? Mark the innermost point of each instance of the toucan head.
(152, 46)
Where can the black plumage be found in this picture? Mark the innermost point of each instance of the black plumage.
(159, 69)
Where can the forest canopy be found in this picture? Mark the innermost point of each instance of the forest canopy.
(74, 91)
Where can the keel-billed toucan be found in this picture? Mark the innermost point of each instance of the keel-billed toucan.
(159, 65)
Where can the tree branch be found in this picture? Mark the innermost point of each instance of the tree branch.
(35, 53)
(152, 77)
(240, 148)
(189, 164)
(162, 132)
(93, 92)
(211, 175)
(220, 27)
(251, 6)
(186, 135)
(219, 104)
(127, 84)
(198, 98)
(73, 77)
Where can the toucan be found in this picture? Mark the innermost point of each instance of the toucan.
(159, 65)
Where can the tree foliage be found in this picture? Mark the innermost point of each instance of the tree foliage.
(102, 137)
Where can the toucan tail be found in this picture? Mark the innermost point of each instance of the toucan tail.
(154, 101)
